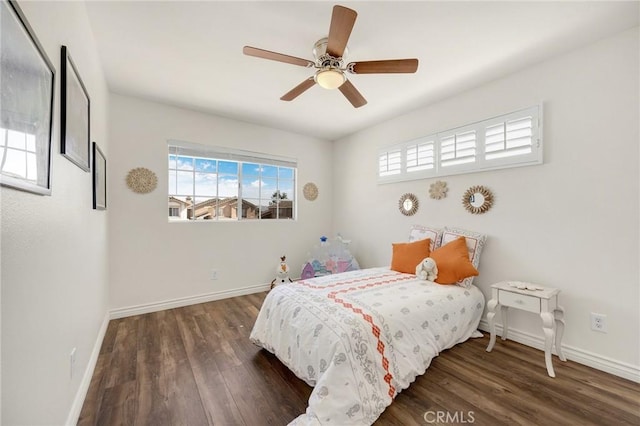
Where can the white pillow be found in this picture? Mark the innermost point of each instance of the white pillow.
(419, 232)
(475, 244)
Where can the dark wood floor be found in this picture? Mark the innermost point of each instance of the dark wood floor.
(196, 366)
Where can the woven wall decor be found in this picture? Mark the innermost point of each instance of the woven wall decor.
(142, 180)
(438, 190)
(310, 191)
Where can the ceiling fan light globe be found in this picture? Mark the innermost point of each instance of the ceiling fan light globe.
(330, 79)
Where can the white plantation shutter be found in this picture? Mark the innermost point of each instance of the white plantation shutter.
(459, 148)
(390, 163)
(420, 156)
(510, 140)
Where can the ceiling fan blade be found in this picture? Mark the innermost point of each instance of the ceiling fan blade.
(274, 56)
(342, 21)
(351, 93)
(298, 90)
(384, 67)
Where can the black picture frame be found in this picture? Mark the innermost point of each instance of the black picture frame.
(27, 90)
(75, 114)
(99, 179)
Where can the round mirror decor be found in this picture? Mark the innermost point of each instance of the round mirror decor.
(310, 191)
(438, 190)
(142, 180)
(408, 204)
(477, 199)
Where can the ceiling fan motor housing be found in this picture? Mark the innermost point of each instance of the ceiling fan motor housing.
(325, 60)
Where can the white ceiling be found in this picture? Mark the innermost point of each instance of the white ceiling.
(189, 54)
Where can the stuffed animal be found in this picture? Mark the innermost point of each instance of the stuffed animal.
(427, 269)
(282, 273)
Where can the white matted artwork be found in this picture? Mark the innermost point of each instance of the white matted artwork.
(74, 114)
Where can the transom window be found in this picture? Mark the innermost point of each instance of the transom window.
(209, 183)
(510, 140)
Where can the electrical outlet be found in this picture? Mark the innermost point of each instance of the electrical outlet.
(214, 274)
(599, 322)
(72, 362)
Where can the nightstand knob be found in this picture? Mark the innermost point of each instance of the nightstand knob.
(519, 301)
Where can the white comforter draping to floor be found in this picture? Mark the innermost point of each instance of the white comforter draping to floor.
(361, 337)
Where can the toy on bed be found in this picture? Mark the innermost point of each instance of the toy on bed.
(330, 257)
(282, 274)
(427, 269)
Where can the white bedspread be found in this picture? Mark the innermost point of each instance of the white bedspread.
(362, 336)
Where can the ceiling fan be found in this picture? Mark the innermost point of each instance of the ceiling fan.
(328, 53)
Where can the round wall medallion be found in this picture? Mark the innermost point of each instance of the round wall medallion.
(477, 199)
(310, 191)
(438, 190)
(408, 204)
(141, 180)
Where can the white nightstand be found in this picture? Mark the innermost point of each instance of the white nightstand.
(543, 302)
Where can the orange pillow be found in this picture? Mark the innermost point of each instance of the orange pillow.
(406, 256)
(453, 262)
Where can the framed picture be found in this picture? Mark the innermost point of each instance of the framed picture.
(99, 179)
(74, 114)
(26, 105)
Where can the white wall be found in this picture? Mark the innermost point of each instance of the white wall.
(572, 222)
(152, 260)
(54, 250)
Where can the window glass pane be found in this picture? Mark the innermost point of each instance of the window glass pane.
(172, 182)
(286, 190)
(285, 209)
(228, 167)
(269, 171)
(250, 208)
(185, 163)
(285, 173)
(172, 161)
(250, 169)
(205, 208)
(228, 186)
(184, 183)
(269, 188)
(250, 187)
(206, 184)
(218, 208)
(205, 165)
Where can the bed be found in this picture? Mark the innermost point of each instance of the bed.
(361, 337)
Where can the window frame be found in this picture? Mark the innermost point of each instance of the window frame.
(480, 162)
(178, 148)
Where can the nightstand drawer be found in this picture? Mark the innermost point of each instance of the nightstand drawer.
(520, 301)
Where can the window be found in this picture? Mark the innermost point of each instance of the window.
(509, 140)
(209, 183)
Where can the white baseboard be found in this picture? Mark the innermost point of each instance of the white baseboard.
(599, 362)
(81, 394)
(184, 301)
